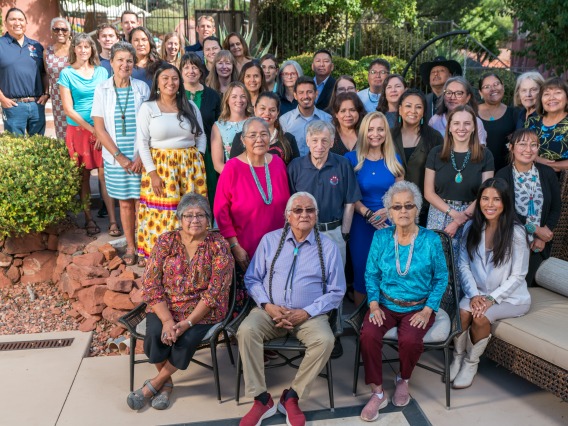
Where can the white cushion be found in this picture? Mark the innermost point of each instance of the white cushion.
(552, 274)
(141, 329)
(439, 331)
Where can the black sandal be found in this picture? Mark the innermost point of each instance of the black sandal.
(92, 228)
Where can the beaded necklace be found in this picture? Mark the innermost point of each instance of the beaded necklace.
(266, 199)
(459, 177)
(410, 252)
(122, 110)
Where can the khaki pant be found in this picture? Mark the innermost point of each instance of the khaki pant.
(337, 237)
(258, 327)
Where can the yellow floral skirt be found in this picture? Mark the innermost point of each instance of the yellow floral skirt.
(183, 171)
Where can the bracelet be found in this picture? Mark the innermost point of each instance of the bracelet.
(47, 94)
(490, 298)
(190, 323)
(448, 211)
(234, 245)
(117, 153)
(368, 215)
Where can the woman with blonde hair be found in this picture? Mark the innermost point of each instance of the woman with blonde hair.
(377, 167)
(235, 109)
(223, 72)
(172, 48)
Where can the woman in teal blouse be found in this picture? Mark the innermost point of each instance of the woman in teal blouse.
(406, 277)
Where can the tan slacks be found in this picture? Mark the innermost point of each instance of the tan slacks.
(258, 327)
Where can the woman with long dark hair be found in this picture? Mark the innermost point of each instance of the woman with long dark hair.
(209, 103)
(252, 76)
(493, 263)
(347, 113)
(281, 144)
(413, 140)
(393, 88)
(147, 56)
(237, 45)
(535, 191)
(170, 139)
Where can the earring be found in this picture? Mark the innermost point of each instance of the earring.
(422, 121)
(158, 91)
(399, 120)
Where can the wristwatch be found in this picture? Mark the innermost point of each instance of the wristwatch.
(490, 298)
(345, 236)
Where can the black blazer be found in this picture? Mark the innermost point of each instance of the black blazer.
(210, 111)
(325, 95)
(550, 192)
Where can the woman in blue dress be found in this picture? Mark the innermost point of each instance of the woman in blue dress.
(377, 167)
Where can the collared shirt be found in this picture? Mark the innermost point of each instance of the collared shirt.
(370, 100)
(303, 290)
(21, 67)
(320, 86)
(294, 122)
(333, 186)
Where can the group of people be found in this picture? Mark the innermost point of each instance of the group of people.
(286, 167)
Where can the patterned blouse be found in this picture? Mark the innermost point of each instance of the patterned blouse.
(553, 139)
(183, 283)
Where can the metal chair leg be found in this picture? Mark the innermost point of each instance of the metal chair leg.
(330, 386)
(228, 343)
(447, 375)
(132, 358)
(356, 367)
(239, 366)
(215, 369)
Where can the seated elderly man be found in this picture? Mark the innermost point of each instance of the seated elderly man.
(295, 278)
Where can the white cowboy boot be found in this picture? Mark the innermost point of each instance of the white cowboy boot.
(471, 361)
(459, 353)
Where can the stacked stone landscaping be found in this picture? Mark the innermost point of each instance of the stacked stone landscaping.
(92, 277)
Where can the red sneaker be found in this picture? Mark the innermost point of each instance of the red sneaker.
(289, 407)
(258, 413)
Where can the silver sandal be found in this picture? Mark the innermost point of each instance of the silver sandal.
(136, 400)
(162, 400)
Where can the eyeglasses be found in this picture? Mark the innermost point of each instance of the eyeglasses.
(60, 30)
(523, 146)
(346, 89)
(495, 85)
(380, 72)
(399, 207)
(289, 74)
(255, 136)
(309, 210)
(457, 94)
(190, 217)
(268, 67)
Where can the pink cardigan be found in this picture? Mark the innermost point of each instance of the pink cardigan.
(239, 208)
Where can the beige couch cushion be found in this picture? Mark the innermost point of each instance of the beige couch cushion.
(543, 331)
(552, 274)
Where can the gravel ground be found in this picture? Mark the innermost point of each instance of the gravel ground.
(44, 311)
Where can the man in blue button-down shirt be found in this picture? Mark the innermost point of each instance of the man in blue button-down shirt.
(295, 278)
(23, 80)
(296, 121)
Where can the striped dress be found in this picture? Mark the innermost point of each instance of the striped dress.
(120, 184)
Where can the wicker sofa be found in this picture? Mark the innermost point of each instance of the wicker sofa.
(535, 346)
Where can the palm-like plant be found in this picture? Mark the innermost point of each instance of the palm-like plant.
(256, 51)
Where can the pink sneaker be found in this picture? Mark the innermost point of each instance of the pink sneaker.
(370, 412)
(289, 407)
(258, 413)
(401, 397)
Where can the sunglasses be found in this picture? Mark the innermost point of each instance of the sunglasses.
(298, 211)
(60, 30)
(399, 207)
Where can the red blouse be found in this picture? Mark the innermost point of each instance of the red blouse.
(169, 276)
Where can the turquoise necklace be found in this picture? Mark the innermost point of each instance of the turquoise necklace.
(122, 110)
(266, 199)
(459, 177)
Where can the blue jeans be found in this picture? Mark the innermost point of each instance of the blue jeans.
(26, 116)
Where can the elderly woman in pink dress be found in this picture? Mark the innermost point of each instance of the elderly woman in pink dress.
(251, 195)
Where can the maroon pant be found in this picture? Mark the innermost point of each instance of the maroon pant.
(410, 344)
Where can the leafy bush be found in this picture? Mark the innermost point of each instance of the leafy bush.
(39, 183)
(509, 80)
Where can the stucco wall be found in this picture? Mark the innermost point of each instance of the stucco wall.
(39, 14)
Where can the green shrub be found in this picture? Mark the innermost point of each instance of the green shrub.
(39, 183)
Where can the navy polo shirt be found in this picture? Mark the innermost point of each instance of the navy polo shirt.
(21, 67)
(333, 186)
